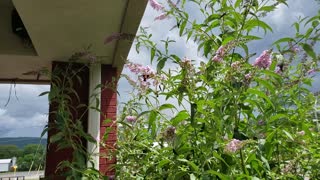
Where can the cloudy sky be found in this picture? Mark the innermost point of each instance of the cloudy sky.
(26, 113)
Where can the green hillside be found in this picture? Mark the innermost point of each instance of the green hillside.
(21, 141)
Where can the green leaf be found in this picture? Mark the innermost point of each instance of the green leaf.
(267, 8)
(253, 23)
(315, 24)
(44, 131)
(269, 147)
(56, 137)
(308, 33)
(251, 37)
(153, 53)
(237, 4)
(143, 113)
(221, 176)
(273, 74)
(163, 162)
(216, 155)
(277, 116)
(182, 27)
(191, 164)
(288, 134)
(166, 106)
(309, 50)
(176, 58)
(161, 64)
(286, 39)
(152, 122)
(266, 84)
(207, 47)
(261, 95)
(182, 115)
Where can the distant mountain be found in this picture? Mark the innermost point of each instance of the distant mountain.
(21, 141)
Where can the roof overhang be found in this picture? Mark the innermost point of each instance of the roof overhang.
(58, 29)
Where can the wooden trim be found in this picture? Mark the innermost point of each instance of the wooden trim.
(24, 81)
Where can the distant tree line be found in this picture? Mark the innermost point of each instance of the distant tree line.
(31, 156)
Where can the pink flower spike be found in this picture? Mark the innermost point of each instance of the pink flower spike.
(301, 133)
(161, 17)
(155, 5)
(248, 76)
(295, 49)
(221, 51)
(217, 58)
(131, 119)
(264, 60)
(235, 65)
(233, 145)
(278, 70)
(112, 37)
(311, 71)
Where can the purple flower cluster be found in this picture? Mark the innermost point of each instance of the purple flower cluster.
(278, 70)
(131, 119)
(261, 122)
(236, 65)
(158, 7)
(248, 76)
(147, 76)
(233, 146)
(301, 133)
(161, 16)
(219, 54)
(311, 71)
(146, 72)
(155, 5)
(186, 63)
(264, 60)
(118, 36)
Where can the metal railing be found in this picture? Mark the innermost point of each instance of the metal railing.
(12, 178)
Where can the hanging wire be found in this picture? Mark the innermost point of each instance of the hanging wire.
(13, 83)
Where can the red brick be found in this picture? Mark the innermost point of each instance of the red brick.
(109, 111)
(108, 160)
(109, 101)
(112, 137)
(107, 122)
(111, 129)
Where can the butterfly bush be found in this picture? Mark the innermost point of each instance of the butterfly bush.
(219, 54)
(264, 60)
(224, 113)
(233, 146)
(145, 75)
(156, 5)
(131, 119)
(161, 17)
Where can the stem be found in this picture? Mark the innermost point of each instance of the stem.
(278, 153)
(242, 163)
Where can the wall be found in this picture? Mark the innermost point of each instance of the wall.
(109, 110)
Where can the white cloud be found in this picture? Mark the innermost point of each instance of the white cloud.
(11, 123)
(25, 110)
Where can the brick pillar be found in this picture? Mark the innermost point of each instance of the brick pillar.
(109, 111)
(54, 156)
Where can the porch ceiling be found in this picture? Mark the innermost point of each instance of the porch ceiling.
(57, 29)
